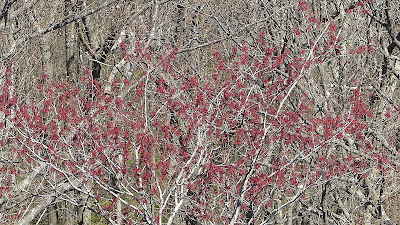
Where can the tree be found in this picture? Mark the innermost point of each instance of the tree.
(216, 118)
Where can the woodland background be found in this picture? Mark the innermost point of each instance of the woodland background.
(199, 112)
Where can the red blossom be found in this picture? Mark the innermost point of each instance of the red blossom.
(303, 5)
